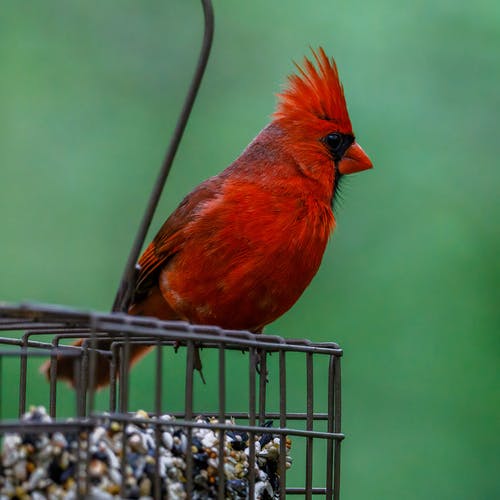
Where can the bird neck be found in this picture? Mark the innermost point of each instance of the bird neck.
(279, 160)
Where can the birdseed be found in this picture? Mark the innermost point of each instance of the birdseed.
(53, 465)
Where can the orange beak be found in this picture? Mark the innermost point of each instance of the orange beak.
(354, 160)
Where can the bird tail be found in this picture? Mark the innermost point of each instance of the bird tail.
(154, 305)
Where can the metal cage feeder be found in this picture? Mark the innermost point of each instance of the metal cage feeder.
(251, 413)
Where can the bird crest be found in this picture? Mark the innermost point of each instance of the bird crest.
(315, 92)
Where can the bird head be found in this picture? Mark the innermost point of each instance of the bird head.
(313, 114)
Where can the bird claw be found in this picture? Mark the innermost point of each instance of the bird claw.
(260, 356)
(197, 364)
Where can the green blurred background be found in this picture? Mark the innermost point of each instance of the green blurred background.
(89, 94)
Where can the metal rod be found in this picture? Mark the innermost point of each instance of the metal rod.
(336, 428)
(282, 455)
(329, 445)
(53, 379)
(158, 410)
(87, 463)
(84, 378)
(222, 410)
(113, 367)
(123, 460)
(309, 424)
(54, 426)
(124, 361)
(21, 426)
(121, 417)
(145, 336)
(125, 290)
(23, 376)
(80, 395)
(1, 378)
(252, 356)
(262, 385)
(114, 324)
(188, 406)
(303, 491)
(81, 492)
(92, 367)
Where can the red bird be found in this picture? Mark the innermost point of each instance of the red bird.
(242, 246)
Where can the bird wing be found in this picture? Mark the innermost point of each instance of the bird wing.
(171, 237)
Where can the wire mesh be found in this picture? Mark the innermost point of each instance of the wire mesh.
(33, 333)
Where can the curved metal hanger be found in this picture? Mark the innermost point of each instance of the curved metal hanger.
(125, 289)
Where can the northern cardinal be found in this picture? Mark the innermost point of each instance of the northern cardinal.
(242, 246)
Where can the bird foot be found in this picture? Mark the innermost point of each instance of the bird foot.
(260, 365)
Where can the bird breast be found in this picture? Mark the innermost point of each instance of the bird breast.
(247, 258)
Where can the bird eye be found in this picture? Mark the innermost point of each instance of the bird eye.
(334, 141)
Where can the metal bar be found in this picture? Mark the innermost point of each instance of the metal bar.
(303, 491)
(188, 402)
(329, 445)
(79, 473)
(267, 415)
(17, 426)
(309, 424)
(188, 407)
(282, 455)
(22, 385)
(158, 411)
(29, 325)
(176, 330)
(53, 380)
(222, 410)
(125, 290)
(23, 376)
(252, 400)
(92, 364)
(336, 428)
(1, 378)
(35, 344)
(121, 417)
(124, 361)
(8, 321)
(117, 320)
(159, 380)
(77, 375)
(36, 312)
(120, 380)
(262, 385)
(204, 340)
(54, 426)
(84, 378)
(123, 460)
(113, 368)
(86, 463)
(31, 353)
